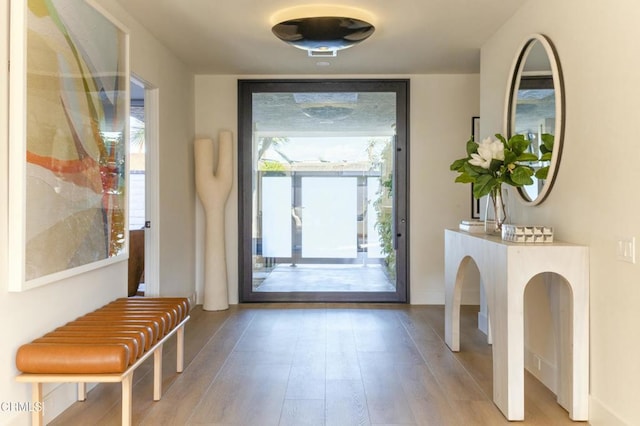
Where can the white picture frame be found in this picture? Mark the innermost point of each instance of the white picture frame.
(68, 141)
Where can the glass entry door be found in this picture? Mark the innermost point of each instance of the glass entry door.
(322, 173)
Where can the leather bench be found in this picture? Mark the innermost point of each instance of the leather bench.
(106, 346)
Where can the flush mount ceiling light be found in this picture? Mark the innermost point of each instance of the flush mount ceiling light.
(322, 30)
(323, 35)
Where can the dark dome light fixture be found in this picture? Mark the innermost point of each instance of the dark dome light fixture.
(323, 35)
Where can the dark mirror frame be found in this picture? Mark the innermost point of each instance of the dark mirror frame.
(515, 77)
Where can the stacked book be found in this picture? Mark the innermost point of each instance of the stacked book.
(473, 225)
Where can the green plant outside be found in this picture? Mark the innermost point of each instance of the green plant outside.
(384, 223)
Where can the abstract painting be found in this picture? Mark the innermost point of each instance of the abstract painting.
(68, 140)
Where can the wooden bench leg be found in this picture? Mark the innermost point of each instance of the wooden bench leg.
(127, 402)
(82, 391)
(157, 373)
(36, 398)
(180, 349)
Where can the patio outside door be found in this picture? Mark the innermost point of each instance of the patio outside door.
(322, 174)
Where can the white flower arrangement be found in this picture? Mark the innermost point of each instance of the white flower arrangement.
(492, 162)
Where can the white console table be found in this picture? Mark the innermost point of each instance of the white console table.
(505, 270)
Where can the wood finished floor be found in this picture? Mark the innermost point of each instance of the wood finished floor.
(320, 364)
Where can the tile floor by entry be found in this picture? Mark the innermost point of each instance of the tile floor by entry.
(360, 278)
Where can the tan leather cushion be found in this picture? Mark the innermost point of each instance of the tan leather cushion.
(183, 302)
(115, 322)
(138, 335)
(72, 358)
(161, 322)
(171, 313)
(169, 316)
(135, 350)
(177, 312)
(106, 340)
(89, 326)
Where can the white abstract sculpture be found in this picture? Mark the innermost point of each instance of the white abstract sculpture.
(213, 185)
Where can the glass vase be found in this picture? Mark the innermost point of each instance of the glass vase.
(496, 213)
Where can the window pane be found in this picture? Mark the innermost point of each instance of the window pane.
(329, 217)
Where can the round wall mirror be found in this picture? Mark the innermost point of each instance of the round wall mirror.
(535, 109)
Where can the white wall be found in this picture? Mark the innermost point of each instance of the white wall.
(595, 199)
(29, 314)
(440, 124)
(441, 110)
(158, 68)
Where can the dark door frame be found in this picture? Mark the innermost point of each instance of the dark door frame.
(246, 89)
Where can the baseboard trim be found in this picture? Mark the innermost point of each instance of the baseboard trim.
(601, 415)
(541, 369)
(483, 323)
(59, 398)
(469, 297)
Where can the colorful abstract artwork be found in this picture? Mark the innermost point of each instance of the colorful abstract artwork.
(75, 143)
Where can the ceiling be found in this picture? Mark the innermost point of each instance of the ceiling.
(411, 37)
